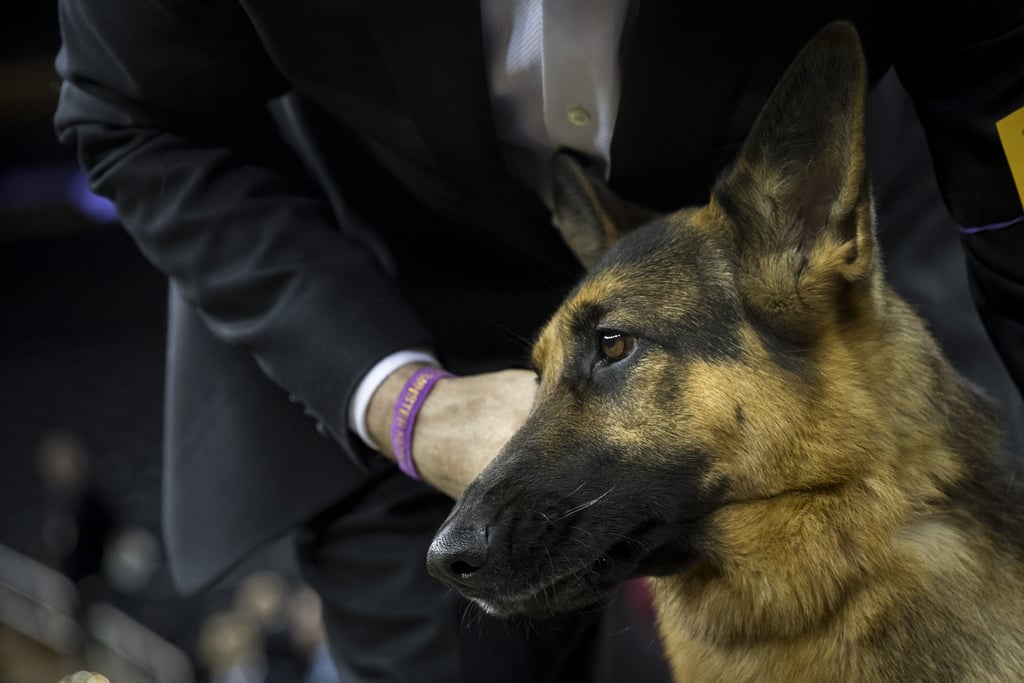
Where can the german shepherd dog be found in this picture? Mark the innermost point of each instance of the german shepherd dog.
(734, 403)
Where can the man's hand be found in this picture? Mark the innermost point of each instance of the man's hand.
(462, 425)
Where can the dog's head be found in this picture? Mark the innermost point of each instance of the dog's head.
(710, 357)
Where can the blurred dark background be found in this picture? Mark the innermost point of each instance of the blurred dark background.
(82, 583)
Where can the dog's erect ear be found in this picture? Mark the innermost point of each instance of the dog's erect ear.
(799, 193)
(590, 217)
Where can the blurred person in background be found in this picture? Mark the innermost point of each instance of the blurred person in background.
(78, 521)
(342, 193)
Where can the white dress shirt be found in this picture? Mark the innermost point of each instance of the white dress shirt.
(553, 74)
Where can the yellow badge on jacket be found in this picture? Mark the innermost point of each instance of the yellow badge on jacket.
(1011, 133)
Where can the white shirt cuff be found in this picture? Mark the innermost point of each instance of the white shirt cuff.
(360, 401)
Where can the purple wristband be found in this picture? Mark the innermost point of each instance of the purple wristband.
(407, 407)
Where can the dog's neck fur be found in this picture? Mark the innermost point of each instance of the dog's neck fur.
(863, 528)
(770, 580)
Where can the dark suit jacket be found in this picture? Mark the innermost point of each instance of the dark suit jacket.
(367, 209)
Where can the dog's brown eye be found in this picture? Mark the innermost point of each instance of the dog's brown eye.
(615, 346)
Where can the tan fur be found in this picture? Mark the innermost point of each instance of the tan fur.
(818, 494)
(837, 544)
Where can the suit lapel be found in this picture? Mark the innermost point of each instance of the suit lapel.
(678, 87)
(419, 41)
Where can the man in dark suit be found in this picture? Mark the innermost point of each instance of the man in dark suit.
(341, 192)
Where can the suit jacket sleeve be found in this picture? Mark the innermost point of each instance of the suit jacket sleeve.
(165, 102)
(964, 66)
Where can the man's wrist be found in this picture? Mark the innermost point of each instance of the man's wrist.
(359, 405)
(381, 409)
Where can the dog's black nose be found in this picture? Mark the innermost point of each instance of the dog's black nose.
(458, 552)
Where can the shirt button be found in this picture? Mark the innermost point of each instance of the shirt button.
(578, 116)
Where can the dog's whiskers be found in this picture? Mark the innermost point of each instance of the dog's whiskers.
(574, 491)
(551, 561)
(640, 544)
(582, 506)
(471, 616)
